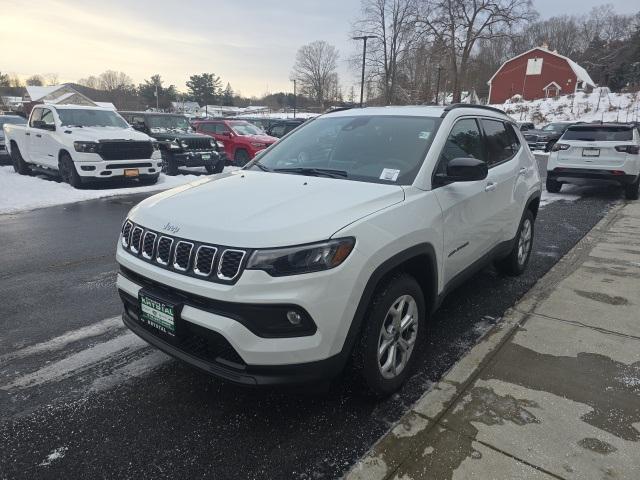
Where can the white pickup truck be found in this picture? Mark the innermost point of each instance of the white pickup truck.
(82, 144)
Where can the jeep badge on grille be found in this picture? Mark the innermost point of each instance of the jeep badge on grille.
(171, 228)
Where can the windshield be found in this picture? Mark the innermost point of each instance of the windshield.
(245, 128)
(168, 122)
(77, 117)
(11, 120)
(554, 127)
(599, 134)
(376, 149)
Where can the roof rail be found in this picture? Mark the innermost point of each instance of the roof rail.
(453, 106)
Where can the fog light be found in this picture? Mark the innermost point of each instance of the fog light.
(294, 317)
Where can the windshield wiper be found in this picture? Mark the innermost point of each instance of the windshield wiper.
(261, 166)
(318, 172)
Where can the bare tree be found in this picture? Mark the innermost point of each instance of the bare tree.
(392, 22)
(315, 70)
(111, 80)
(35, 81)
(51, 78)
(91, 82)
(460, 24)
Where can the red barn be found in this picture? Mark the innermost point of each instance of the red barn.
(538, 73)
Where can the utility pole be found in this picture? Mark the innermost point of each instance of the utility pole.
(438, 85)
(364, 39)
(294, 98)
(157, 99)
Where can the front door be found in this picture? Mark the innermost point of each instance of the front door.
(467, 222)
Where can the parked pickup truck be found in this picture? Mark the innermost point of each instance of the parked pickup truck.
(179, 144)
(82, 144)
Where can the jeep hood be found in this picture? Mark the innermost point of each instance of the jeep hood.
(170, 135)
(96, 134)
(253, 209)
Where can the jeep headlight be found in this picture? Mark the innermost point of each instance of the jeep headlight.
(184, 144)
(278, 262)
(174, 145)
(220, 145)
(86, 147)
(212, 142)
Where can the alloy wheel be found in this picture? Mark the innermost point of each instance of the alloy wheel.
(397, 336)
(524, 241)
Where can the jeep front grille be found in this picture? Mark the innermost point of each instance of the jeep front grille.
(198, 143)
(211, 262)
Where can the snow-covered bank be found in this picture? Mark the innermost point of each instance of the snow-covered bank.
(19, 193)
(600, 105)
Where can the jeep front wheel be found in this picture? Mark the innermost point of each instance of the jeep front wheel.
(395, 325)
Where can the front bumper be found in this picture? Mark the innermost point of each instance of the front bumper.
(195, 159)
(591, 174)
(116, 168)
(259, 360)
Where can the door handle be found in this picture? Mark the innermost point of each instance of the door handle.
(522, 171)
(38, 135)
(27, 133)
(491, 186)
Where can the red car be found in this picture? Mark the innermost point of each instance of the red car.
(241, 139)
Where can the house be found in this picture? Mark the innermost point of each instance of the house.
(57, 94)
(188, 108)
(538, 73)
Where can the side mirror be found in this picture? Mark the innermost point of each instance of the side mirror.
(139, 126)
(227, 133)
(464, 169)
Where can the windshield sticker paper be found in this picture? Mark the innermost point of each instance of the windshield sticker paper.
(389, 174)
(424, 135)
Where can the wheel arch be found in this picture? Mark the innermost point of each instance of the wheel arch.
(533, 204)
(419, 261)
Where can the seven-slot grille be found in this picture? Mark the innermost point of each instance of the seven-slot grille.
(198, 143)
(531, 138)
(216, 263)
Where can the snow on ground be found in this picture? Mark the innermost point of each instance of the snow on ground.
(600, 105)
(19, 193)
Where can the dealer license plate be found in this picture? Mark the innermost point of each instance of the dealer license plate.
(131, 172)
(590, 152)
(158, 313)
(206, 157)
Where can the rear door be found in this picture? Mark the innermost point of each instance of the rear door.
(505, 170)
(467, 222)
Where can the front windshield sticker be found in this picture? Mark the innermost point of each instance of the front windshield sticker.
(424, 135)
(389, 174)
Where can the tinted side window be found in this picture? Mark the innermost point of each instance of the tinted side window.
(35, 115)
(464, 141)
(207, 127)
(500, 141)
(277, 131)
(220, 128)
(513, 136)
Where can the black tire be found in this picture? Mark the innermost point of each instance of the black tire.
(514, 264)
(148, 179)
(241, 157)
(365, 363)
(19, 165)
(217, 168)
(631, 190)
(68, 172)
(553, 186)
(169, 165)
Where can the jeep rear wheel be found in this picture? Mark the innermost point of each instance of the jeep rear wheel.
(395, 324)
(68, 171)
(631, 190)
(553, 186)
(516, 261)
(19, 165)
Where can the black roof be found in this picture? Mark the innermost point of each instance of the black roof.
(611, 125)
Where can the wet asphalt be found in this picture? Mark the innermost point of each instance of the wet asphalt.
(104, 405)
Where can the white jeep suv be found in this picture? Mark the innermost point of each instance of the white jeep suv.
(597, 152)
(333, 247)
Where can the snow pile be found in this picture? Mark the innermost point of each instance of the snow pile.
(18, 192)
(279, 115)
(600, 105)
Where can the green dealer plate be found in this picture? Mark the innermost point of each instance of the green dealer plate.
(158, 313)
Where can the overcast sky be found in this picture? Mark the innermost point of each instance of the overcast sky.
(248, 43)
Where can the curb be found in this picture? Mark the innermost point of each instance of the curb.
(390, 451)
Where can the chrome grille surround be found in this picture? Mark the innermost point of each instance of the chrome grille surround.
(146, 251)
(182, 255)
(208, 262)
(202, 261)
(232, 265)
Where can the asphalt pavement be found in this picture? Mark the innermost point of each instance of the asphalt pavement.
(81, 397)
